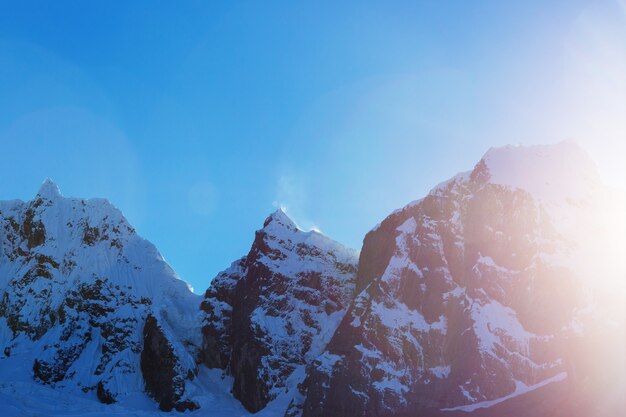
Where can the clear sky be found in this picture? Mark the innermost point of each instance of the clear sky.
(198, 118)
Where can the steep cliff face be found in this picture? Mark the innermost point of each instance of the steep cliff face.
(275, 310)
(474, 292)
(161, 369)
(218, 307)
(77, 285)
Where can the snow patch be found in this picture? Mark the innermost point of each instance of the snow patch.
(519, 390)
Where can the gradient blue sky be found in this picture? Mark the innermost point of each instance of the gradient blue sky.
(197, 119)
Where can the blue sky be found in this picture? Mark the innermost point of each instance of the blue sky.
(197, 119)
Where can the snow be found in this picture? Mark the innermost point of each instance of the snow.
(391, 384)
(399, 316)
(489, 262)
(493, 322)
(549, 172)
(280, 220)
(368, 353)
(519, 390)
(211, 391)
(287, 238)
(466, 393)
(408, 227)
(136, 269)
(49, 190)
(326, 361)
(26, 398)
(134, 281)
(441, 371)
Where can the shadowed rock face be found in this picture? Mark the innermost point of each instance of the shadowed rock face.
(275, 309)
(104, 395)
(217, 306)
(161, 369)
(464, 296)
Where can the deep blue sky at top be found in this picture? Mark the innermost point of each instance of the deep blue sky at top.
(198, 119)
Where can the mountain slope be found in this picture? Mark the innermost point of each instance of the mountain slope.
(501, 292)
(480, 289)
(274, 310)
(78, 286)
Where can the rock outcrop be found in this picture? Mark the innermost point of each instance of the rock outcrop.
(161, 369)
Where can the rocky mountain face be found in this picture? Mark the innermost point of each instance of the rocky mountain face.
(501, 292)
(88, 305)
(480, 291)
(274, 310)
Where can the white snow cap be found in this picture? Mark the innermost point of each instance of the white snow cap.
(49, 190)
(279, 217)
(548, 172)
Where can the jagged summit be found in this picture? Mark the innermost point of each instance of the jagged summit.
(77, 285)
(278, 228)
(279, 225)
(548, 172)
(282, 301)
(551, 174)
(49, 190)
(280, 218)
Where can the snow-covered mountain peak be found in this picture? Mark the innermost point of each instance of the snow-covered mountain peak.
(49, 190)
(549, 172)
(279, 219)
(563, 180)
(77, 286)
(276, 308)
(280, 234)
(477, 289)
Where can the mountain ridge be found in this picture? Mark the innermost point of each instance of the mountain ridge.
(480, 296)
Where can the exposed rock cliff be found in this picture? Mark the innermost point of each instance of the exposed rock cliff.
(276, 309)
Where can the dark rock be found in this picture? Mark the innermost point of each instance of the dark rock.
(159, 367)
(91, 235)
(33, 230)
(186, 405)
(104, 395)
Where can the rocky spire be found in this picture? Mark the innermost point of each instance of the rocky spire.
(49, 190)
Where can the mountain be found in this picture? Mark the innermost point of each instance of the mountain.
(89, 306)
(274, 310)
(501, 292)
(495, 284)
